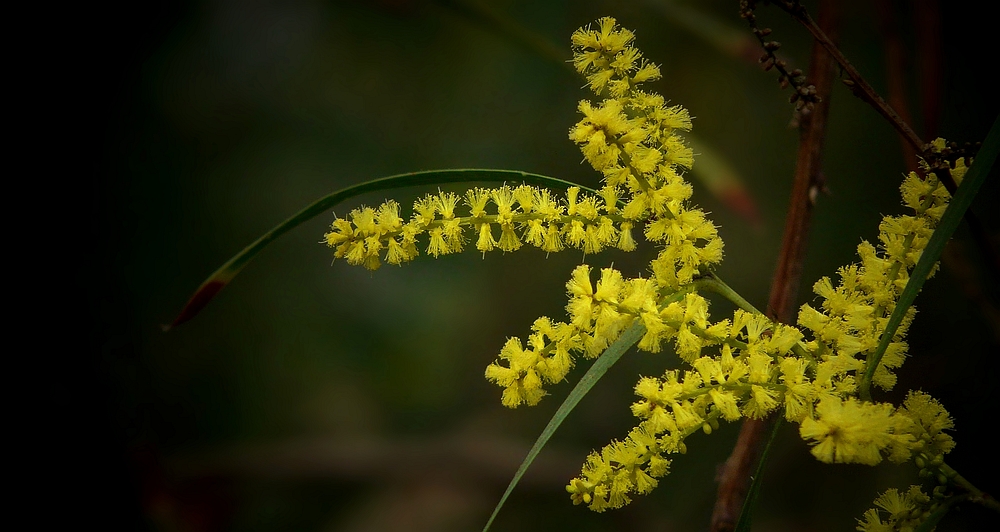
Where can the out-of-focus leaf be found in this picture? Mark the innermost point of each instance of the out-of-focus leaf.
(723, 181)
(723, 36)
(507, 28)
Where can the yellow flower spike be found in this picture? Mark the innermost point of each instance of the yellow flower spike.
(340, 231)
(444, 204)
(587, 208)
(485, 242)
(643, 159)
(726, 403)
(616, 176)
(647, 387)
(637, 207)
(761, 402)
(655, 332)
(364, 221)
(544, 205)
(572, 193)
(553, 241)
(525, 197)
(508, 238)
(453, 235)
(535, 233)
(581, 492)
(625, 241)
(929, 420)
(579, 282)
(387, 217)
(609, 195)
(685, 416)
(476, 199)
(437, 245)
(355, 253)
(958, 172)
(691, 382)
(647, 72)
(395, 253)
(605, 232)
(707, 367)
(424, 210)
(610, 286)
(607, 327)
(688, 345)
(503, 198)
(849, 431)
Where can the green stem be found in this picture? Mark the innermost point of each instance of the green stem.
(627, 159)
(713, 283)
(975, 494)
(740, 387)
(520, 218)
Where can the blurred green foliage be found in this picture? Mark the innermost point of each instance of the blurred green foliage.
(312, 396)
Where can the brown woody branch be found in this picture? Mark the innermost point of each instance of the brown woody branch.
(734, 475)
(895, 59)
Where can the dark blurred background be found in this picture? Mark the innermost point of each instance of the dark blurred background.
(319, 396)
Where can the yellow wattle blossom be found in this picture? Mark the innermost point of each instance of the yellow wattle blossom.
(897, 511)
(745, 366)
(850, 431)
(503, 218)
(853, 313)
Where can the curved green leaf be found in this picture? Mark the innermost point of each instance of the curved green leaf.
(607, 359)
(960, 202)
(222, 276)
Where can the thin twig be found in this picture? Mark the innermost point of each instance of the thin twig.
(803, 93)
(938, 163)
(858, 84)
(734, 475)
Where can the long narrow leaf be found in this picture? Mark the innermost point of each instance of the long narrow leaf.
(607, 359)
(221, 277)
(746, 513)
(963, 197)
(725, 37)
(486, 17)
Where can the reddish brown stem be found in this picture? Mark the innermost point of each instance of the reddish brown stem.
(895, 59)
(734, 476)
(929, 63)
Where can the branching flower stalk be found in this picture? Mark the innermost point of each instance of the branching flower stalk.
(743, 366)
(804, 95)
